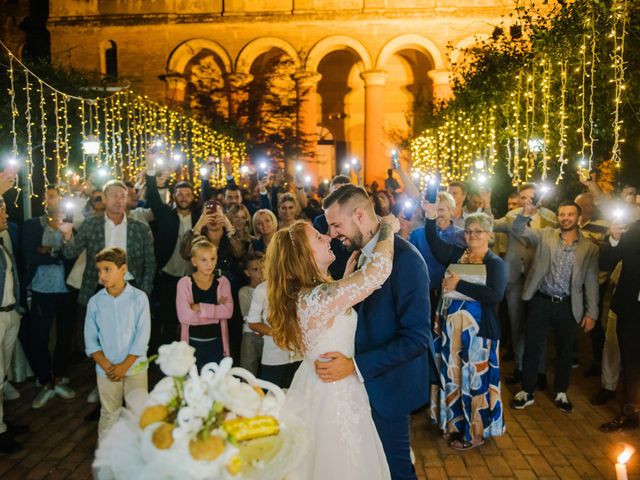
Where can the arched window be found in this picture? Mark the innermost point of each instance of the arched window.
(109, 60)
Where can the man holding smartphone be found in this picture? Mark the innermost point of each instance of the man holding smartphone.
(172, 223)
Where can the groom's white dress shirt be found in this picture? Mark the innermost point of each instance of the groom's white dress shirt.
(365, 254)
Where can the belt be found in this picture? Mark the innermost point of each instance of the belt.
(8, 308)
(554, 298)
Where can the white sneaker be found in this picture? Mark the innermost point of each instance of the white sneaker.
(10, 392)
(43, 397)
(64, 392)
(94, 396)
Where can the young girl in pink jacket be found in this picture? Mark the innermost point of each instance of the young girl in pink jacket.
(204, 305)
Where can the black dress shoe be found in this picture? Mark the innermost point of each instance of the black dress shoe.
(16, 430)
(621, 422)
(93, 416)
(542, 381)
(602, 397)
(8, 444)
(515, 378)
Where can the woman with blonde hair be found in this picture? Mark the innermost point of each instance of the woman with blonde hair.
(310, 314)
(288, 209)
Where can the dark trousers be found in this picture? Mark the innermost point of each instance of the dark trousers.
(207, 351)
(165, 326)
(597, 332)
(280, 375)
(44, 308)
(394, 435)
(543, 315)
(628, 329)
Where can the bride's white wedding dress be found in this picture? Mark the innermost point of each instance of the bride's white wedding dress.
(344, 441)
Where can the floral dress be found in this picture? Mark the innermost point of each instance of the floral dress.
(469, 406)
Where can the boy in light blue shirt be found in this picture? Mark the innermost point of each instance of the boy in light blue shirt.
(116, 334)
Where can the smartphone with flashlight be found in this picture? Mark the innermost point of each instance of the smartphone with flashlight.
(395, 164)
(211, 206)
(408, 210)
(433, 186)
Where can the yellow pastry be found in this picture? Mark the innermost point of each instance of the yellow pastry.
(153, 414)
(208, 449)
(162, 436)
(234, 466)
(242, 429)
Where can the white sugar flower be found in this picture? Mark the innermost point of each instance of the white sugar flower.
(176, 359)
(239, 397)
(164, 391)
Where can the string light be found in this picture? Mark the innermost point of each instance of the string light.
(620, 19)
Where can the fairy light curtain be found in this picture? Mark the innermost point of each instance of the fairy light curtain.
(115, 130)
(551, 111)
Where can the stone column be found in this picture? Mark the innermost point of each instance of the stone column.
(307, 117)
(376, 160)
(237, 84)
(176, 86)
(442, 89)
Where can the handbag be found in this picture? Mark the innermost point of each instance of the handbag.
(469, 272)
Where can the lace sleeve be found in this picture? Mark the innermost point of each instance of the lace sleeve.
(318, 307)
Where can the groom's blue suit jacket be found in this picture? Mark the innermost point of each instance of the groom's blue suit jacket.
(394, 347)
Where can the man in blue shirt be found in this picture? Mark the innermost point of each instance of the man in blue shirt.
(116, 335)
(449, 232)
(46, 270)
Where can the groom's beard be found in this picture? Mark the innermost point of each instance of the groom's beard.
(356, 242)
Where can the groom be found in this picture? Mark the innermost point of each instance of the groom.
(393, 338)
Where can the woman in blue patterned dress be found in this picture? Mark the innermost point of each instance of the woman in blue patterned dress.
(469, 407)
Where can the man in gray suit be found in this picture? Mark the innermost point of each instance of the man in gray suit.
(562, 289)
(519, 256)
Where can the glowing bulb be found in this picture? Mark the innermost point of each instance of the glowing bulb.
(479, 164)
(298, 167)
(347, 167)
(626, 454)
(354, 161)
(263, 165)
(536, 145)
(325, 181)
(204, 171)
(102, 172)
(307, 179)
(545, 189)
(415, 175)
(177, 157)
(91, 145)
(159, 162)
(244, 169)
(159, 143)
(69, 172)
(408, 204)
(482, 179)
(68, 205)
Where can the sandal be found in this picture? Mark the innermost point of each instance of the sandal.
(462, 445)
(450, 436)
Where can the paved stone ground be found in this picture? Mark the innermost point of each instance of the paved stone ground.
(541, 441)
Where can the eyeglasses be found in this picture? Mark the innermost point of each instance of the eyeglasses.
(474, 232)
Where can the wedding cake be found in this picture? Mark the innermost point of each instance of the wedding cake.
(219, 423)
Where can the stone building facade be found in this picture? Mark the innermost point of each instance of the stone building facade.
(358, 65)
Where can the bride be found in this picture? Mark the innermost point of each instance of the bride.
(310, 314)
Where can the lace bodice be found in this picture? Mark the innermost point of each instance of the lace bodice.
(327, 303)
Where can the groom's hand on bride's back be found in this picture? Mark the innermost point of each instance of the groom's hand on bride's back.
(336, 366)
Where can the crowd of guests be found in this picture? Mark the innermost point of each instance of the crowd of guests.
(140, 265)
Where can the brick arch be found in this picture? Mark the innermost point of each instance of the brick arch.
(333, 43)
(411, 41)
(183, 53)
(257, 47)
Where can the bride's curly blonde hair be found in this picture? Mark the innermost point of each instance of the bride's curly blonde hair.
(290, 268)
